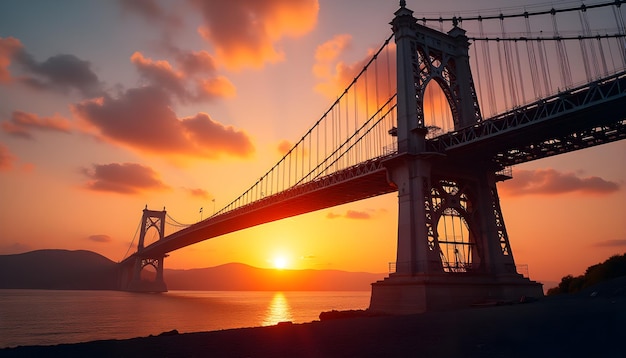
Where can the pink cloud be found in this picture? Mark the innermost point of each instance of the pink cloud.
(350, 214)
(335, 75)
(124, 178)
(552, 182)
(245, 32)
(284, 146)
(142, 119)
(9, 47)
(22, 124)
(199, 193)
(7, 159)
(163, 75)
(193, 62)
(100, 238)
(328, 52)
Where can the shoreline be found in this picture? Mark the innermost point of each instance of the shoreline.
(567, 325)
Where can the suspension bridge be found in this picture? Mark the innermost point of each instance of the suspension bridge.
(438, 117)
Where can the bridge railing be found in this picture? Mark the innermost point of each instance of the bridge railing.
(452, 267)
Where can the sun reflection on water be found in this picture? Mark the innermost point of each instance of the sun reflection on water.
(278, 310)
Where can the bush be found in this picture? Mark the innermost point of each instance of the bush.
(613, 267)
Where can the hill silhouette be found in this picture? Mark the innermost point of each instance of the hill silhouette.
(86, 270)
(58, 269)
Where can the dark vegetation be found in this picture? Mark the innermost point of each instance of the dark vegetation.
(613, 267)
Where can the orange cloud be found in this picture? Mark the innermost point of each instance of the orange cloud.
(9, 47)
(125, 178)
(350, 214)
(552, 182)
(22, 124)
(284, 146)
(100, 238)
(164, 76)
(6, 158)
(328, 52)
(142, 119)
(245, 32)
(199, 193)
(374, 87)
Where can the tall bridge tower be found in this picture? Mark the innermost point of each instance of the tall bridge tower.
(453, 248)
(131, 278)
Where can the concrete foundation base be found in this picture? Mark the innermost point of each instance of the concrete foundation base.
(435, 292)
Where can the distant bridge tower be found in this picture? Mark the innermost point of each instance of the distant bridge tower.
(453, 248)
(131, 279)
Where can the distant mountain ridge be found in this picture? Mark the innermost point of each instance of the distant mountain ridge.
(86, 270)
(58, 269)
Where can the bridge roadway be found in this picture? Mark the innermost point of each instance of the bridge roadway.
(579, 118)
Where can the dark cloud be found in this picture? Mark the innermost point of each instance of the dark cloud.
(100, 238)
(142, 118)
(60, 73)
(7, 159)
(244, 32)
(22, 124)
(124, 178)
(611, 243)
(152, 12)
(63, 72)
(552, 182)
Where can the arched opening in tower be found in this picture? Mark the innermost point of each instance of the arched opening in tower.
(437, 114)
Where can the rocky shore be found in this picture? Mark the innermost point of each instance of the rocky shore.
(588, 324)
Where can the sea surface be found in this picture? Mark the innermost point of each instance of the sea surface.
(47, 317)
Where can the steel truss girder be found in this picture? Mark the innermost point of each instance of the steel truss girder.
(593, 96)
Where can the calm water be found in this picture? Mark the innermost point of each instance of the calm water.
(42, 317)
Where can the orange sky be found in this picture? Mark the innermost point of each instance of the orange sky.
(184, 105)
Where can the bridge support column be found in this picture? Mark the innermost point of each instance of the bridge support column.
(131, 276)
(453, 249)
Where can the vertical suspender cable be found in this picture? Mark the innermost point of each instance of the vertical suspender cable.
(532, 60)
(504, 94)
(521, 92)
(509, 70)
(488, 69)
(619, 19)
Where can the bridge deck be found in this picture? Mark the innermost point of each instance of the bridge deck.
(359, 182)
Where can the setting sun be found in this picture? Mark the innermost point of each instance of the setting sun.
(280, 262)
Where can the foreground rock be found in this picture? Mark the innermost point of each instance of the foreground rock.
(573, 326)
